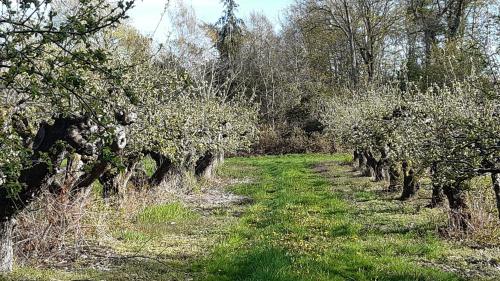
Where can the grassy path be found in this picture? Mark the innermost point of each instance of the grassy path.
(302, 228)
(311, 218)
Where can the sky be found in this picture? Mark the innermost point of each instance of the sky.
(146, 14)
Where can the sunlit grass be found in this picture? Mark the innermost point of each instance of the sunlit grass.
(311, 219)
(167, 213)
(303, 227)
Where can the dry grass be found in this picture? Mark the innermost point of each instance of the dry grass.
(485, 222)
(90, 232)
(54, 228)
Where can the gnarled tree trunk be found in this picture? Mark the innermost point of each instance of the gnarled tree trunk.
(371, 164)
(163, 169)
(115, 184)
(6, 244)
(460, 214)
(355, 159)
(205, 165)
(437, 195)
(102, 165)
(394, 178)
(380, 171)
(410, 184)
(381, 165)
(35, 178)
(363, 165)
(49, 147)
(437, 188)
(89, 178)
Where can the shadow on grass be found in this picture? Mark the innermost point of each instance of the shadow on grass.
(145, 269)
(273, 264)
(259, 263)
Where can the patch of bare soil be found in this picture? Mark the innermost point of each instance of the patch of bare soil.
(324, 167)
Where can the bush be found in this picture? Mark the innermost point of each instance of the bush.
(291, 140)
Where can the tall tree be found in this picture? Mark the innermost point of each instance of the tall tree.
(229, 30)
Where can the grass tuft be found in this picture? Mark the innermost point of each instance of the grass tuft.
(167, 213)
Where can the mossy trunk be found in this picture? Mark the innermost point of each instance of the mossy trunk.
(460, 215)
(6, 244)
(495, 178)
(410, 182)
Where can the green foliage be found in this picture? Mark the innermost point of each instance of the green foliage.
(52, 67)
(454, 127)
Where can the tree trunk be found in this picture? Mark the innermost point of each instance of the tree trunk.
(356, 158)
(460, 215)
(163, 169)
(495, 178)
(437, 195)
(115, 184)
(455, 17)
(380, 170)
(49, 147)
(412, 66)
(89, 178)
(410, 184)
(221, 157)
(371, 163)
(394, 178)
(429, 42)
(6, 244)
(205, 165)
(363, 165)
(381, 165)
(39, 174)
(102, 165)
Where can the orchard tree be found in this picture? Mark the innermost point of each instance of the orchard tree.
(455, 133)
(59, 93)
(365, 122)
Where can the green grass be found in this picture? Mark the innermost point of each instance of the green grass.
(311, 218)
(167, 213)
(305, 227)
(149, 166)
